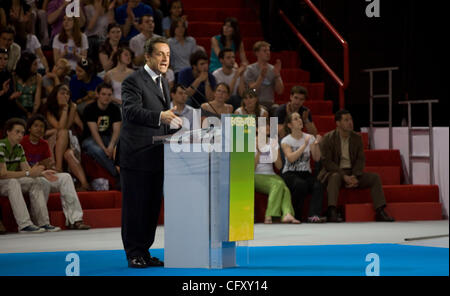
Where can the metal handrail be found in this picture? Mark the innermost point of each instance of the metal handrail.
(342, 83)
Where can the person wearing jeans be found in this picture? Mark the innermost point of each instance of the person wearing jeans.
(103, 120)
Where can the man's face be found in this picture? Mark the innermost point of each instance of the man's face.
(105, 96)
(202, 66)
(15, 135)
(297, 101)
(180, 96)
(6, 39)
(37, 129)
(3, 60)
(228, 60)
(346, 123)
(160, 58)
(263, 54)
(148, 24)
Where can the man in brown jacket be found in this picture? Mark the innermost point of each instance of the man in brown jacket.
(343, 163)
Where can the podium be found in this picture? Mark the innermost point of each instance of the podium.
(209, 193)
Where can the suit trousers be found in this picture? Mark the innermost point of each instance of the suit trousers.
(366, 180)
(141, 202)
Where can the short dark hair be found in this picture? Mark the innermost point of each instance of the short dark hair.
(8, 30)
(297, 89)
(10, 123)
(197, 56)
(102, 86)
(150, 44)
(4, 51)
(142, 17)
(35, 117)
(340, 113)
(175, 88)
(223, 51)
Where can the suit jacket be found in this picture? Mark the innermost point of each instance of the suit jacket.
(330, 149)
(142, 103)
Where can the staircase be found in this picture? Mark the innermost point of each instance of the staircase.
(404, 202)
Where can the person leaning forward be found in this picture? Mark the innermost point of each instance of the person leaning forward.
(146, 113)
(343, 162)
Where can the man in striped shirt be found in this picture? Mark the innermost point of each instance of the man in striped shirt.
(17, 177)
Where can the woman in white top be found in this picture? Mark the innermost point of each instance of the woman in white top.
(250, 105)
(298, 147)
(71, 43)
(268, 182)
(122, 60)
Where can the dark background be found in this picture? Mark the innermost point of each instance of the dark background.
(409, 34)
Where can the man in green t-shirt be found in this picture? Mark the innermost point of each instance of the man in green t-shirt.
(17, 177)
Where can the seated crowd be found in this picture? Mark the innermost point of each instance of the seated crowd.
(56, 106)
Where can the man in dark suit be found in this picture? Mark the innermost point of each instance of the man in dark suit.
(146, 113)
(343, 162)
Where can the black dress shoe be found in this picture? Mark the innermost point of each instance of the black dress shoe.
(333, 216)
(137, 262)
(382, 216)
(153, 261)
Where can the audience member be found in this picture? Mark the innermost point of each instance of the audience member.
(179, 98)
(217, 106)
(267, 181)
(297, 148)
(250, 105)
(29, 84)
(56, 10)
(157, 15)
(264, 77)
(175, 12)
(7, 35)
(59, 74)
(146, 26)
(198, 81)
(343, 162)
(62, 116)
(121, 70)
(128, 16)
(71, 43)
(110, 46)
(83, 83)
(18, 14)
(231, 76)
(181, 45)
(39, 23)
(103, 121)
(8, 106)
(230, 37)
(17, 177)
(34, 46)
(298, 96)
(37, 152)
(99, 14)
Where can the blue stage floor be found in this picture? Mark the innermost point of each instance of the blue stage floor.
(325, 260)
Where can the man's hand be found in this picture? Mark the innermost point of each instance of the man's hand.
(109, 151)
(277, 68)
(351, 181)
(50, 175)
(36, 170)
(169, 117)
(203, 76)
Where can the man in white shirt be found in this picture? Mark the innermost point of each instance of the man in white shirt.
(7, 42)
(146, 26)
